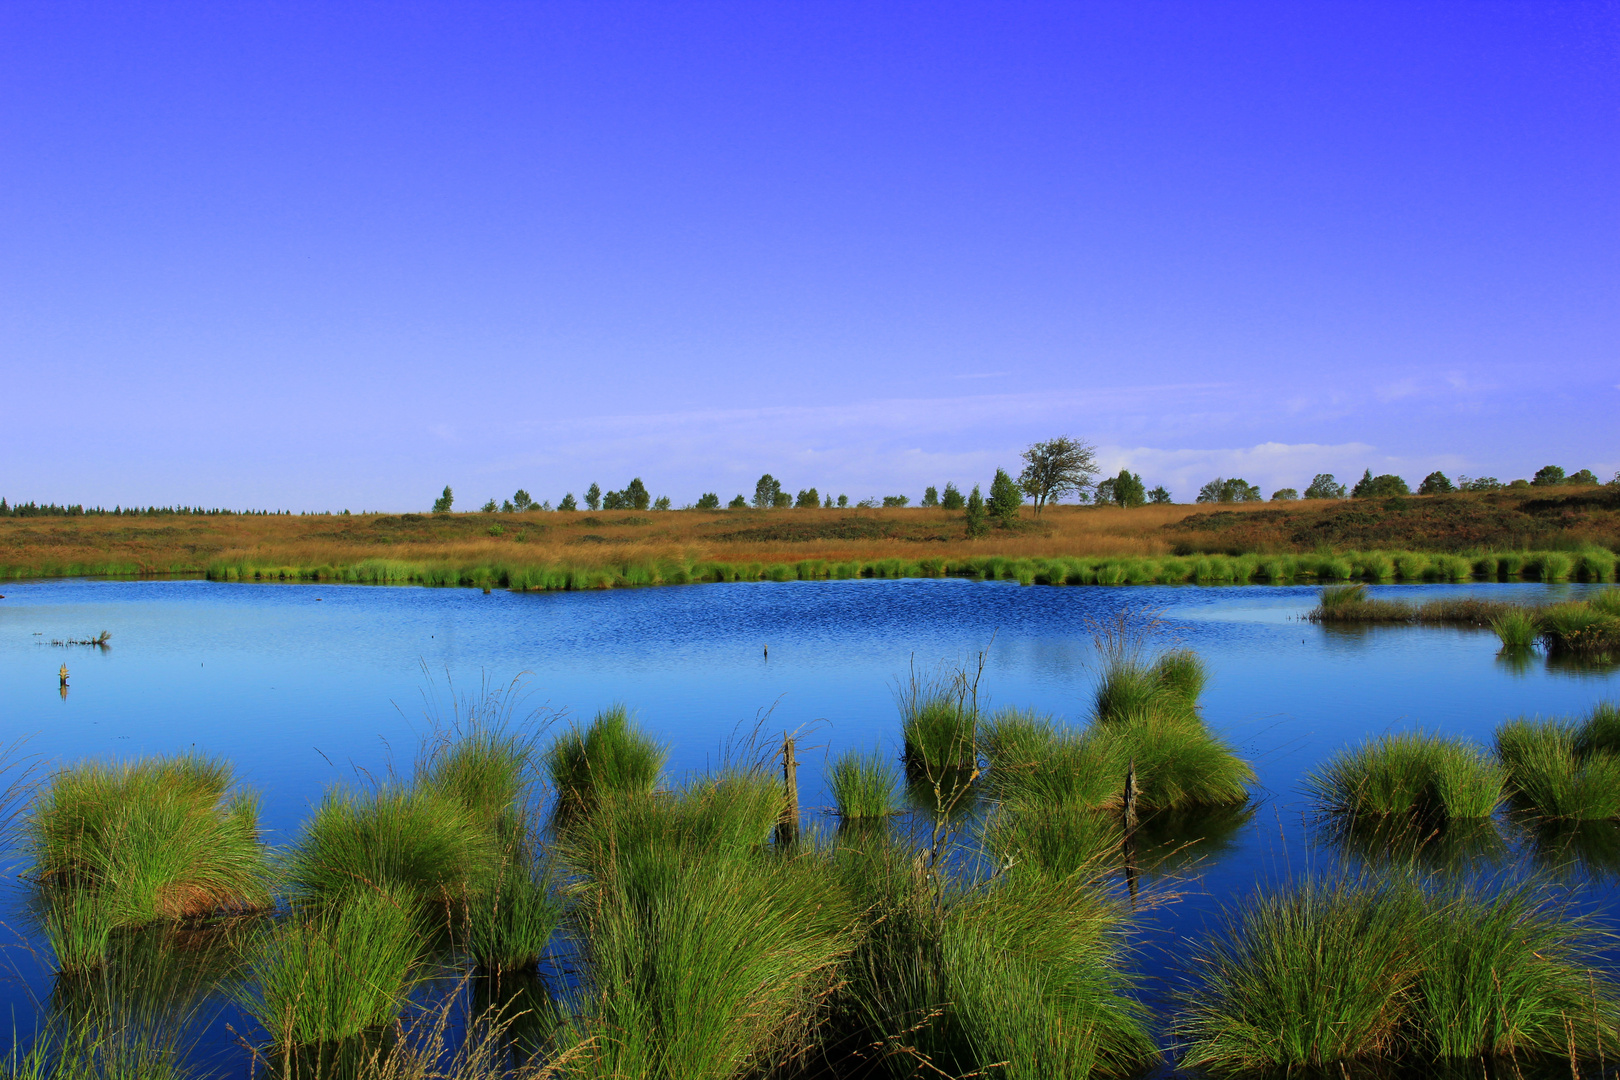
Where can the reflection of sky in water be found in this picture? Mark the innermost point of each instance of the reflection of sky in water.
(296, 682)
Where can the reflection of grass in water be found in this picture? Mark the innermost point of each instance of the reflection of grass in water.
(1171, 842)
(1574, 848)
(1455, 846)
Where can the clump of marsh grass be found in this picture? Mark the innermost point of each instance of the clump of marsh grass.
(1061, 840)
(510, 924)
(1411, 775)
(1581, 629)
(1518, 628)
(1562, 770)
(863, 786)
(409, 840)
(488, 770)
(123, 845)
(1331, 972)
(611, 757)
(1023, 974)
(321, 976)
(1132, 690)
(1351, 603)
(939, 716)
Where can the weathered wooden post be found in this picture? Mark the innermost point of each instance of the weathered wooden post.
(787, 826)
(1128, 846)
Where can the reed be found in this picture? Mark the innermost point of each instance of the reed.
(1133, 691)
(153, 839)
(863, 785)
(1325, 973)
(612, 757)
(326, 975)
(406, 841)
(1410, 775)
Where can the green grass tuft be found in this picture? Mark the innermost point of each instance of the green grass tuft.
(1410, 775)
(611, 757)
(1517, 628)
(1561, 770)
(863, 785)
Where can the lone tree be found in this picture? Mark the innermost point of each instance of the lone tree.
(973, 510)
(593, 496)
(1005, 498)
(1436, 483)
(1128, 490)
(522, 500)
(766, 491)
(442, 504)
(1056, 467)
(1324, 486)
(952, 499)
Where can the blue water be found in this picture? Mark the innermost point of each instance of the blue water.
(302, 685)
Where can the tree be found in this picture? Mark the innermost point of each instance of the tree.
(1160, 494)
(826, 503)
(1104, 491)
(568, 502)
(614, 500)
(952, 499)
(1585, 476)
(1222, 490)
(593, 496)
(930, 496)
(636, 496)
(1054, 468)
(1547, 476)
(766, 491)
(1436, 483)
(507, 507)
(1006, 497)
(975, 513)
(1477, 483)
(896, 500)
(442, 504)
(709, 500)
(1378, 487)
(809, 499)
(1284, 495)
(1128, 490)
(843, 501)
(781, 500)
(488, 508)
(1324, 487)
(521, 500)
(661, 503)
(739, 503)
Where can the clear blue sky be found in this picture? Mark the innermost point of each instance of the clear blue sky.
(334, 255)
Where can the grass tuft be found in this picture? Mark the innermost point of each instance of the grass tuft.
(1410, 775)
(863, 785)
(611, 757)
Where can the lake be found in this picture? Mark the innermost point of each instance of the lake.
(302, 685)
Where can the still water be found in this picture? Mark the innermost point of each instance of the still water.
(301, 686)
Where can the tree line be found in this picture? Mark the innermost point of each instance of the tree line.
(1326, 486)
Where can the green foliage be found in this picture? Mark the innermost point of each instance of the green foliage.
(708, 501)
(974, 511)
(611, 757)
(766, 489)
(1547, 476)
(636, 496)
(489, 507)
(593, 496)
(1410, 775)
(1436, 483)
(522, 501)
(1006, 497)
(930, 496)
(510, 924)
(1159, 495)
(1324, 486)
(896, 500)
(939, 717)
(154, 839)
(1328, 972)
(1478, 483)
(1222, 490)
(952, 499)
(738, 503)
(1127, 489)
(1561, 770)
(442, 504)
(1284, 495)
(567, 503)
(809, 498)
(1582, 476)
(1516, 627)
(863, 785)
(1376, 487)
(324, 975)
(781, 500)
(1051, 469)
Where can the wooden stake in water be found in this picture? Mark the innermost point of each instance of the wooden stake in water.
(787, 826)
(1131, 792)
(63, 674)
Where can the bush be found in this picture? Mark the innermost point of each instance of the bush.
(1547, 476)
(709, 501)
(1436, 483)
(896, 500)
(1284, 495)
(739, 503)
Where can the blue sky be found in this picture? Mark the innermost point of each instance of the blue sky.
(319, 256)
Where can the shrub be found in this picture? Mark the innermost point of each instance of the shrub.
(1547, 476)
(1410, 775)
(738, 503)
(863, 785)
(157, 838)
(896, 500)
(1284, 495)
(610, 757)
(708, 501)
(567, 503)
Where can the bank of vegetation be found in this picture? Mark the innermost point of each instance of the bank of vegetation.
(523, 902)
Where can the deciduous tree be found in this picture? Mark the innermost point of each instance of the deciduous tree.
(1054, 468)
